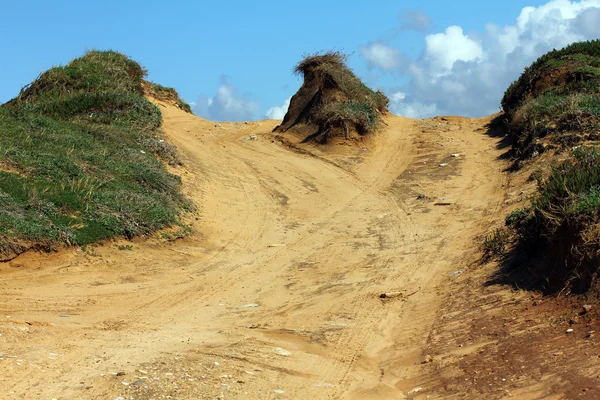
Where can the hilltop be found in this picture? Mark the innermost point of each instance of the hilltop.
(83, 158)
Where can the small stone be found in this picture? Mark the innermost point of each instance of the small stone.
(443, 165)
(121, 373)
(391, 295)
(279, 391)
(427, 359)
(590, 334)
(324, 385)
(281, 352)
(455, 155)
(587, 308)
(570, 330)
(457, 273)
(416, 390)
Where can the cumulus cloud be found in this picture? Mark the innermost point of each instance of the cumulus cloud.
(226, 105)
(414, 21)
(467, 73)
(278, 112)
(442, 50)
(411, 109)
(380, 55)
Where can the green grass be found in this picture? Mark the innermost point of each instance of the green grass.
(569, 119)
(557, 96)
(561, 227)
(82, 157)
(571, 191)
(495, 243)
(360, 116)
(579, 54)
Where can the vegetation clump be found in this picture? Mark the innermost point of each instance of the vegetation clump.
(558, 98)
(332, 100)
(81, 158)
(560, 230)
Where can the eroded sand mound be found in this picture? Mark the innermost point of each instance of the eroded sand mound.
(332, 101)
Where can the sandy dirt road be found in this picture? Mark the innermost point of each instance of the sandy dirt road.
(276, 294)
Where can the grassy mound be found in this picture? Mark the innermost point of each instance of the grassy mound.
(558, 98)
(332, 100)
(80, 158)
(560, 230)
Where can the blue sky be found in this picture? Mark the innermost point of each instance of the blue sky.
(233, 59)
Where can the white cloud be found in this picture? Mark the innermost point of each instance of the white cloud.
(379, 55)
(466, 74)
(442, 50)
(410, 109)
(397, 96)
(226, 105)
(277, 112)
(414, 109)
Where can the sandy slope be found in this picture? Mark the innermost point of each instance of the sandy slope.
(276, 294)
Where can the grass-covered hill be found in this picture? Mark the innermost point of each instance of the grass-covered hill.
(556, 102)
(332, 100)
(82, 158)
